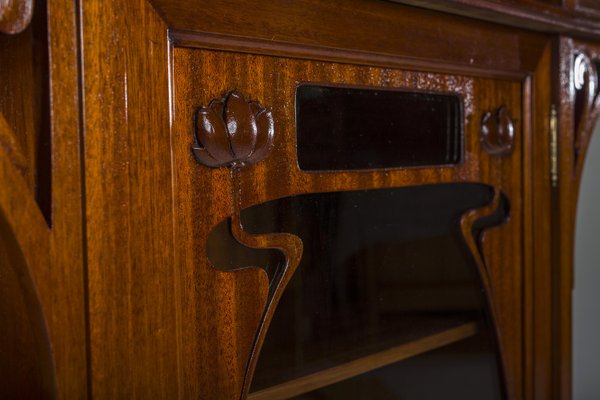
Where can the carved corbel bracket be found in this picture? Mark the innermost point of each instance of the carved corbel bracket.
(15, 15)
(232, 132)
(586, 101)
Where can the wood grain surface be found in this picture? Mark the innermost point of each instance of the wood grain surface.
(45, 237)
(272, 81)
(15, 15)
(105, 212)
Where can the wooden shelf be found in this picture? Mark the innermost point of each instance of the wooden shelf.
(365, 364)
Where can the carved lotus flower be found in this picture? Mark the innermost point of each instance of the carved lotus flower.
(233, 132)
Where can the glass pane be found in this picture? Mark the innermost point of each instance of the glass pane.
(342, 128)
(383, 272)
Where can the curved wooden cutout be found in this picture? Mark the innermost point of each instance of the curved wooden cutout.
(232, 132)
(472, 226)
(586, 104)
(15, 15)
(467, 225)
(291, 247)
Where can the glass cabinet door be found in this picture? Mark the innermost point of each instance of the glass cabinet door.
(387, 302)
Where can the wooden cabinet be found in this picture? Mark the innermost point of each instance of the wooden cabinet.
(331, 188)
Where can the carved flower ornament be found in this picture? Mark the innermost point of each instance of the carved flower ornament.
(233, 132)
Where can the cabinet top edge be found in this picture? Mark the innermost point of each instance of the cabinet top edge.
(566, 19)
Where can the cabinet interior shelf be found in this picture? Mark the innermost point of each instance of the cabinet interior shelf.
(365, 364)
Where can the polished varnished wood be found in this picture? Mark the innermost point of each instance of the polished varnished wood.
(576, 127)
(15, 15)
(557, 16)
(312, 29)
(24, 102)
(46, 250)
(260, 79)
(106, 210)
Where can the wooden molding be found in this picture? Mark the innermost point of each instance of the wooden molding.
(533, 14)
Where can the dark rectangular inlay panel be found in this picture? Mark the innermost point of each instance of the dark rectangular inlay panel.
(343, 128)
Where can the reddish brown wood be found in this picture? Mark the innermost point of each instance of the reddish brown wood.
(193, 69)
(111, 272)
(233, 132)
(540, 15)
(538, 235)
(15, 15)
(497, 132)
(315, 26)
(24, 95)
(52, 257)
(573, 145)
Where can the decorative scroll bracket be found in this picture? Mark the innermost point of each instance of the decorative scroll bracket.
(587, 100)
(232, 132)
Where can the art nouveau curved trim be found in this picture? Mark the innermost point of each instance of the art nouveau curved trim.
(232, 132)
(291, 247)
(586, 103)
(467, 223)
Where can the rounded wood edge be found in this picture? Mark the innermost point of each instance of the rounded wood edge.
(27, 365)
(24, 264)
(15, 15)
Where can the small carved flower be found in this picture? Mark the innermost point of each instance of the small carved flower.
(233, 132)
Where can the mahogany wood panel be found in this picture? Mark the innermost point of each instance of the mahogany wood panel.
(51, 265)
(556, 16)
(134, 338)
(24, 97)
(376, 30)
(111, 273)
(202, 197)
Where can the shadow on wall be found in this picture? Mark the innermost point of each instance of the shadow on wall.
(586, 297)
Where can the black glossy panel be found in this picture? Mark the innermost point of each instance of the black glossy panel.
(379, 268)
(341, 128)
